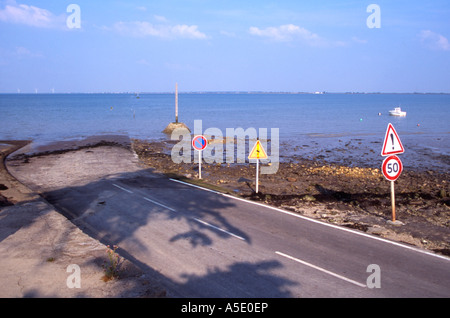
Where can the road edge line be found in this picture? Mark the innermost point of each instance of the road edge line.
(416, 249)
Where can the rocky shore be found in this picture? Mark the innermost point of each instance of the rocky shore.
(355, 197)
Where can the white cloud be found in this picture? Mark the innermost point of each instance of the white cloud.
(188, 31)
(29, 15)
(143, 29)
(287, 32)
(434, 40)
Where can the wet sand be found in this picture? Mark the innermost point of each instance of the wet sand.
(422, 152)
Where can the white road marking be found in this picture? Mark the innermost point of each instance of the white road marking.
(122, 188)
(161, 205)
(323, 223)
(173, 210)
(194, 186)
(218, 228)
(321, 269)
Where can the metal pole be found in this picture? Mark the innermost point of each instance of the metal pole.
(257, 174)
(393, 201)
(200, 164)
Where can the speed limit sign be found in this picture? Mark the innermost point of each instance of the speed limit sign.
(392, 168)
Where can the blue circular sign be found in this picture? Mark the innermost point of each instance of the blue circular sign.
(199, 142)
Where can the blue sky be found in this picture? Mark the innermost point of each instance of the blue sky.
(225, 45)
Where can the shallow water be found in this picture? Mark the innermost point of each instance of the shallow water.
(345, 128)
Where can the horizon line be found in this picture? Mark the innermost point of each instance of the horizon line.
(220, 92)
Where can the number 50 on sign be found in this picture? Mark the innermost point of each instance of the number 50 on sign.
(392, 168)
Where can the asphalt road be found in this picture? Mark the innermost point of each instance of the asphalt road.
(207, 244)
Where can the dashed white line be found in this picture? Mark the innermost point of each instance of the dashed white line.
(161, 205)
(118, 186)
(321, 269)
(173, 210)
(218, 228)
(323, 223)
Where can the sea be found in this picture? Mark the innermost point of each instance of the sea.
(342, 128)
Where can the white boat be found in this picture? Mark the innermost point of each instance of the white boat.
(397, 111)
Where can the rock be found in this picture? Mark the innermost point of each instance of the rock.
(376, 230)
(396, 222)
(291, 179)
(416, 202)
(308, 197)
(172, 126)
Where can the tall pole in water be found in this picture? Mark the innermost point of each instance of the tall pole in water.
(176, 102)
(174, 125)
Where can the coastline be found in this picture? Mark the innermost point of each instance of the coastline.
(350, 196)
(357, 197)
(354, 197)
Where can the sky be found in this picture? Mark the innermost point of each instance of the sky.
(224, 45)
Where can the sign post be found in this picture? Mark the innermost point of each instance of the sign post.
(393, 201)
(257, 153)
(392, 166)
(199, 143)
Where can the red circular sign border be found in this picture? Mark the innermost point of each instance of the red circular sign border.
(383, 168)
(197, 137)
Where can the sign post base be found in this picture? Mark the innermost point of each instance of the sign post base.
(393, 200)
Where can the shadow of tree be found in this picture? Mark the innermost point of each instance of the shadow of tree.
(233, 282)
(195, 238)
(99, 209)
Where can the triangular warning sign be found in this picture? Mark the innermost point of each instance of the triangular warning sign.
(392, 144)
(258, 152)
